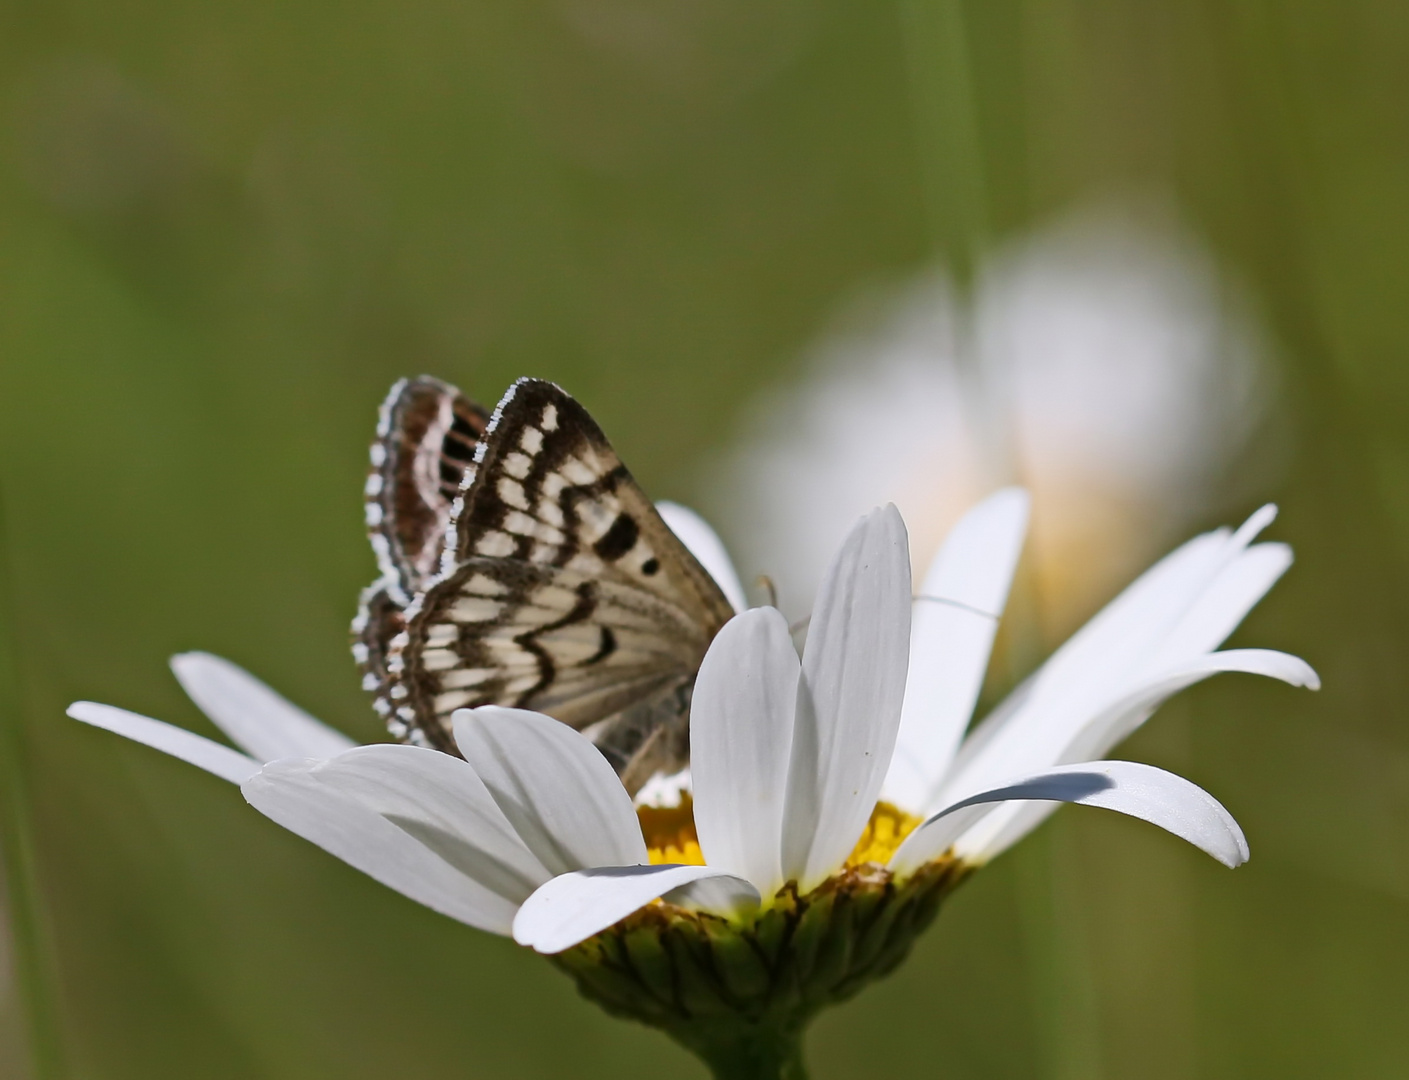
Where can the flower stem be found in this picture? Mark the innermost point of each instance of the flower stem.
(33, 973)
(763, 1054)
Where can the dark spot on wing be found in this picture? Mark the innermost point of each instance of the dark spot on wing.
(650, 567)
(605, 649)
(619, 539)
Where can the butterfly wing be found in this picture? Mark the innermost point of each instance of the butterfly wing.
(427, 432)
(564, 592)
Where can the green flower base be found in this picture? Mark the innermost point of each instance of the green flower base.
(739, 993)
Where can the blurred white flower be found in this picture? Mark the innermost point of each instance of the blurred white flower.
(1100, 364)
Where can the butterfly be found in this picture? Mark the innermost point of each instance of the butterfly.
(523, 566)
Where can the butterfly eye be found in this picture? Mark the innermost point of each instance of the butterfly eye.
(650, 567)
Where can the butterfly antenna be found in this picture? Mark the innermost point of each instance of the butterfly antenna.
(764, 582)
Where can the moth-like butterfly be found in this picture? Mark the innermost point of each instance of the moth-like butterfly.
(523, 566)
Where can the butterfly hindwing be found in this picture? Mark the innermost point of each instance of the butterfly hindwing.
(427, 432)
(563, 591)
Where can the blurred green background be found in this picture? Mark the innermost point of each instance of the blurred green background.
(225, 228)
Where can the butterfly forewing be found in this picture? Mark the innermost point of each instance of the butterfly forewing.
(547, 488)
(562, 591)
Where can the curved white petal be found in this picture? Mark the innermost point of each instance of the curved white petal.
(662, 790)
(288, 793)
(1225, 602)
(440, 801)
(1071, 734)
(1126, 630)
(741, 733)
(178, 742)
(1116, 721)
(573, 907)
(556, 788)
(257, 719)
(718, 895)
(1143, 791)
(1149, 610)
(1181, 598)
(1082, 657)
(941, 830)
(952, 627)
(849, 697)
(704, 544)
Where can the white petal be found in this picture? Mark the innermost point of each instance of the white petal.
(665, 791)
(439, 800)
(704, 544)
(1113, 723)
(573, 907)
(1118, 720)
(287, 793)
(1179, 598)
(257, 719)
(1257, 521)
(1013, 821)
(849, 697)
(1142, 791)
(1090, 728)
(1148, 611)
(1125, 630)
(556, 788)
(951, 635)
(741, 733)
(178, 742)
(719, 895)
(1225, 603)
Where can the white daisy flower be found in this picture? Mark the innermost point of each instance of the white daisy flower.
(835, 799)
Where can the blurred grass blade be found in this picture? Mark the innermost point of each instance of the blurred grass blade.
(948, 138)
(34, 973)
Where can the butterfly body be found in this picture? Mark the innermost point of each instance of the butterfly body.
(560, 589)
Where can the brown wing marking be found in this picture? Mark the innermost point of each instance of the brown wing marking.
(427, 434)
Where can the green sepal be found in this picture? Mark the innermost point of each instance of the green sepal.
(739, 991)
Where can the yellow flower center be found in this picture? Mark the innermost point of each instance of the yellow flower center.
(882, 836)
(729, 986)
(670, 834)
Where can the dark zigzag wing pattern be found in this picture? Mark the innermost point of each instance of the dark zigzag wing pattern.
(427, 432)
(563, 591)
